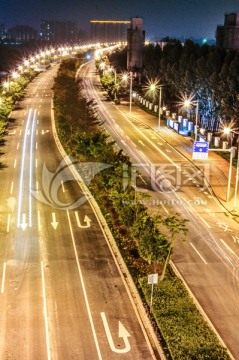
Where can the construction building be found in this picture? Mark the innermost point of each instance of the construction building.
(135, 40)
(227, 35)
(107, 31)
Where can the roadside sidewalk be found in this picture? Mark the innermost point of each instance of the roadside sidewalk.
(219, 167)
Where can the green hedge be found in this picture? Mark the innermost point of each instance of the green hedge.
(186, 333)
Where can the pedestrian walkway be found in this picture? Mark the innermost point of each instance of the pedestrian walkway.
(219, 167)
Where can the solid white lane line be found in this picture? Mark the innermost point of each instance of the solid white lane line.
(11, 190)
(83, 287)
(8, 222)
(227, 246)
(205, 222)
(31, 168)
(22, 170)
(164, 208)
(45, 312)
(39, 220)
(198, 253)
(3, 277)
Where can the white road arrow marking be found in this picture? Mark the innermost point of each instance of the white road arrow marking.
(39, 220)
(87, 220)
(122, 333)
(54, 222)
(43, 132)
(24, 224)
(62, 185)
(141, 142)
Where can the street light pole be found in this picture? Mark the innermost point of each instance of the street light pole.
(160, 101)
(228, 130)
(236, 184)
(130, 92)
(196, 125)
(187, 104)
(229, 174)
(115, 84)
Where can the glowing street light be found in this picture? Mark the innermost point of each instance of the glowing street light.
(15, 75)
(102, 66)
(125, 77)
(6, 84)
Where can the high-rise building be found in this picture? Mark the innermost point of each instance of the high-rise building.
(3, 32)
(103, 31)
(135, 40)
(227, 35)
(58, 31)
(22, 33)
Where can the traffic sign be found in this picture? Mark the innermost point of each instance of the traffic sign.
(200, 150)
(153, 279)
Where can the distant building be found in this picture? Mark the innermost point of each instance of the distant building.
(22, 33)
(3, 32)
(58, 31)
(227, 35)
(109, 30)
(135, 39)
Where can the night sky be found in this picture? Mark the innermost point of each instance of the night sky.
(189, 18)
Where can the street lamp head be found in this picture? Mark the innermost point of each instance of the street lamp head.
(102, 65)
(227, 130)
(152, 87)
(187, 103)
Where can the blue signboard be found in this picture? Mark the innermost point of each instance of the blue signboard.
(200, 150)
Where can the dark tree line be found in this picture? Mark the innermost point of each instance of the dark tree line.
(209, 73)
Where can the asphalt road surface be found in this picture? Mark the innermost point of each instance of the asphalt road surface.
(61, 293)
(208, 260)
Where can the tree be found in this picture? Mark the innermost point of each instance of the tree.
(175, 226)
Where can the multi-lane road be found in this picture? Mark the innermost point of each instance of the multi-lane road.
(208, 260)
(62, 295)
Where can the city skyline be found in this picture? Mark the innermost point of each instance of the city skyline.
(185, 18)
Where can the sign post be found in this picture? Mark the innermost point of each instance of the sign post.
(152, 279)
